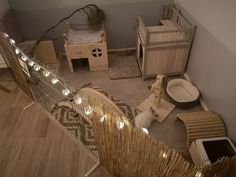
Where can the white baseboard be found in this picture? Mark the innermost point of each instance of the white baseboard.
(186, 76)
(203, 104)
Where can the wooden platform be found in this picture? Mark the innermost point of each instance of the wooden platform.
(204, 124)
(163, 112)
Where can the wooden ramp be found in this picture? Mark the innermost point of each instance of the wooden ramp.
(204, 124)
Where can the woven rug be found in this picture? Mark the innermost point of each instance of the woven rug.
(128, 111)
(79, 127)
(76, 125)
(123, 66)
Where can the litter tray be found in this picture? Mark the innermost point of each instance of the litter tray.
(213, 149)
(182, 93)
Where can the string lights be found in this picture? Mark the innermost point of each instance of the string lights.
(37, 67)
(66, 92)
(54, 80)
(101, 120)
(5, 35)
(198, 174)
(17, 51)
(12, 41)
(88, 110)
(31, 63)
(120, 124)
(145, 130)
(164, 155)
(46, 73)
(24, 58)
(77, 99)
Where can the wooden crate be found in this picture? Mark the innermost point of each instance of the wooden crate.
(95, 52)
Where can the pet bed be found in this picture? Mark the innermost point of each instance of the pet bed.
(84, 36)
(182, 93)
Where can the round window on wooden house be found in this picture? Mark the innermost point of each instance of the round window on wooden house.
(97, 53)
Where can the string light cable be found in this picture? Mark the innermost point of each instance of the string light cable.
(67, 89)
(95, 18)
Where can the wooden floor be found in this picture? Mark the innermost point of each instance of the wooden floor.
(32, 145)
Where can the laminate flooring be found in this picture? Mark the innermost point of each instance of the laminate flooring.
(32, 145)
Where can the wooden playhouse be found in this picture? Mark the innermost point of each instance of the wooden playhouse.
(83, 42)
(164, 48)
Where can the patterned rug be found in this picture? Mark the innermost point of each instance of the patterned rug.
(128, 111)
(76, 125)
(79, 127)
(123, 66)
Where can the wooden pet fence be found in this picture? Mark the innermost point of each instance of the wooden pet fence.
(164, 48)
(13, 63)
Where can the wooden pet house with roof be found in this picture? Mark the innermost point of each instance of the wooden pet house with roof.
(164, 48)
(83, 42)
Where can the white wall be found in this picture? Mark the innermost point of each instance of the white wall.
(217, 16)
(212, 62)
(4, 5)
(36, 16)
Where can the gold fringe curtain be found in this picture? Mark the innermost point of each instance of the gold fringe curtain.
(129, 152)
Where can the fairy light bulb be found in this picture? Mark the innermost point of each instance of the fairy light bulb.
(102, 118)
(37, 67)
(198, 174)
(17, 51)
(88, 110)
(145, 130)
(120, 124)
(164, 155)
(24, 58)
(66, 92)
(6, 35)
(54, 80)
(12, 41)
(78, 100)
(31, 63)
(46, 73)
